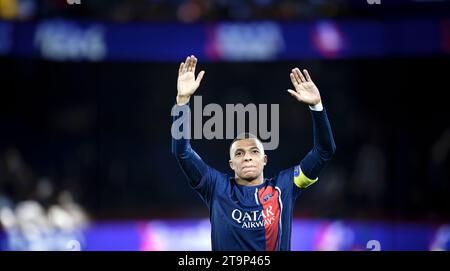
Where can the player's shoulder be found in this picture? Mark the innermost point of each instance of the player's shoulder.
(289, 172)
(216, 174)
(220, 179)
(284, 176)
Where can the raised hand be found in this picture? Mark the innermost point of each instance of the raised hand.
(187, 84)
(305, 89)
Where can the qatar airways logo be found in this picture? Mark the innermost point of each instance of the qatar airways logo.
(254, 219)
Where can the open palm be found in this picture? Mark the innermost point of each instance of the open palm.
(187, 84)
(305, 89)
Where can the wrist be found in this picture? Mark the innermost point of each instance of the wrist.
(316, 107)
(182, 100)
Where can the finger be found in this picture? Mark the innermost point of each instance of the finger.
(180, 70)
(293, 79)
(294, 93)
(297, 78)
(189, 68)
(194, 63)
(308, 78)
(186, 64)
(299, 73)
(200, 77)
(191, 63)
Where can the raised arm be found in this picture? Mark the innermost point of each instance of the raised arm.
(192, 165)
(324, 147)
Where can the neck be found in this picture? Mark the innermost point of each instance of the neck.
(257, 181)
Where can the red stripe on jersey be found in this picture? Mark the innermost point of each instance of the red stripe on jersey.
(268, 198)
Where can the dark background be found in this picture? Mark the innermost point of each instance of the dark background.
(102, 130)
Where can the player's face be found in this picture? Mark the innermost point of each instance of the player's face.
(247, 159)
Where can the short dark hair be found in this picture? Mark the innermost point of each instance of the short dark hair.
(244, 136)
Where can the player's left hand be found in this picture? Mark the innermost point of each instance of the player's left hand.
(305, 89)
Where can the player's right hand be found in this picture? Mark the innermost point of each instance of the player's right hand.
(187, 84)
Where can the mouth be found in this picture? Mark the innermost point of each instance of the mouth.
(248, 167)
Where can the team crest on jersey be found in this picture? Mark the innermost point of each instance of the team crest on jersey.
(267, 197)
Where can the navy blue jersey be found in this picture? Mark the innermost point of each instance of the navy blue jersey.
(254, 217)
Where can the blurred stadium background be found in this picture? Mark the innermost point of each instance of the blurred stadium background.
(87, 89)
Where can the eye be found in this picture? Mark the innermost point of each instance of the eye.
(239, 153)
(255, 151)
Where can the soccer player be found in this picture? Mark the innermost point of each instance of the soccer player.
(247, 210)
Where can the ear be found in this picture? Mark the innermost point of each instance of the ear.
(231, 164)
(265, 159)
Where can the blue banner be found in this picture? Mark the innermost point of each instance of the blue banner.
(65, 40)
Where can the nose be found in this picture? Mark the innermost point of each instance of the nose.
(247, 157)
